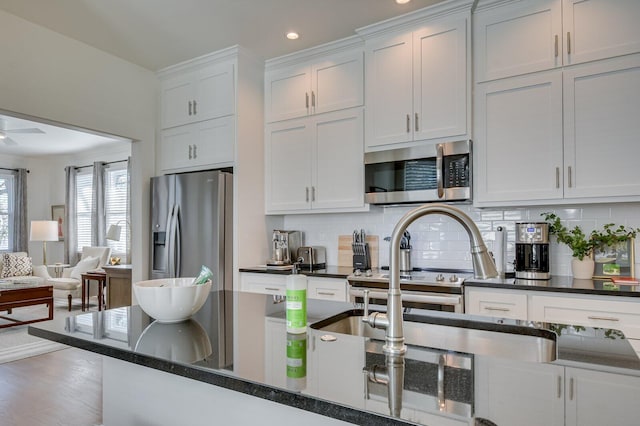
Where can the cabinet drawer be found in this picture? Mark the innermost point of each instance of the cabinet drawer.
(503, 304)
(327, 289)
(263, 283)
(621, 315)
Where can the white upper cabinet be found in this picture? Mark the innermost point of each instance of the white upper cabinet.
(416, 84)
(315, 164)
(201, 94)
(527, 36)
(329, 84)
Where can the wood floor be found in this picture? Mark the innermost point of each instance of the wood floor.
(58, 388)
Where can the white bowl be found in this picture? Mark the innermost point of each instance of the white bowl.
(171, 299)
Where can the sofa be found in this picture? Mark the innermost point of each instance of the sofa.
(16, 267)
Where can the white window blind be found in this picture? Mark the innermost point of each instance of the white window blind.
(116, 189)
(6, 211)
(84, 190)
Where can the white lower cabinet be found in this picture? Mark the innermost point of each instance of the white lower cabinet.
(276, 284)
(519, 393)
(496, 303)
(207, 144)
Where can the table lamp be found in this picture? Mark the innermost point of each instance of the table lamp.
(44, 230)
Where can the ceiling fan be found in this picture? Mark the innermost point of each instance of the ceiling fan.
(4, 134)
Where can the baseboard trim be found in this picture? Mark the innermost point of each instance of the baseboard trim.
(29, 350)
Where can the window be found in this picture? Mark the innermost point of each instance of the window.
(6, 211)
(116, 189)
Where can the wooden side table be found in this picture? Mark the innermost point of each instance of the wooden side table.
(118, 285)
(101, 278)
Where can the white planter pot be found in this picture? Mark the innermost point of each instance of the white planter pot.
(582, 269)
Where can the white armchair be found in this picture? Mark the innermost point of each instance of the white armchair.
(69, 286)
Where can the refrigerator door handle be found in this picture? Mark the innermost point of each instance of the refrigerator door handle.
(171, 242)
(177, 245)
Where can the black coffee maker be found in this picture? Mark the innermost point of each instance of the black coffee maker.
(532, 251)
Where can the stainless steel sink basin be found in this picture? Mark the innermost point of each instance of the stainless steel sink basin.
(517, 342)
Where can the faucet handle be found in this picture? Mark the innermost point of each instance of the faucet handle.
(366, 303)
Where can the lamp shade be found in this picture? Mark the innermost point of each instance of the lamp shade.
(44, 230)
(113, 233)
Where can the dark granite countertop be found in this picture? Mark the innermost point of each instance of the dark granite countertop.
(331, 380)
(560, 284)
(328, 272)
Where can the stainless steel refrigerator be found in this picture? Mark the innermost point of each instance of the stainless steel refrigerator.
(191, 221)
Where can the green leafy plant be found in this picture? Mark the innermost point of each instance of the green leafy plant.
(581, 244)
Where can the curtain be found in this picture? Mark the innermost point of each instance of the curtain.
(70, 240)
(98, 213)
(20, 225)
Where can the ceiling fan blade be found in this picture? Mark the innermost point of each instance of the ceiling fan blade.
(9, 142)
(30, 130)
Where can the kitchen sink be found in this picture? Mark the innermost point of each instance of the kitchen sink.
(512, 341)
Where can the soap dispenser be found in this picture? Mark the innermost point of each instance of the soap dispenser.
(296, 304)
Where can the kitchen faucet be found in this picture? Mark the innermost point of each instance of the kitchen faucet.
(483, 268)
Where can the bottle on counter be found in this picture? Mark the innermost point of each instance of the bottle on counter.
(296, 304)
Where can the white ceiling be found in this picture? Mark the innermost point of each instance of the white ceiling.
(157, 33)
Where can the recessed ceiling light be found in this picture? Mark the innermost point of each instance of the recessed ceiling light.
(402, 1)
(292, 35)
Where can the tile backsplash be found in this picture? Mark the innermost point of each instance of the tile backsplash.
(441, 242)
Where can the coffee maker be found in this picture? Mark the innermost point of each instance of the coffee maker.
(532, 251)
(284, 248)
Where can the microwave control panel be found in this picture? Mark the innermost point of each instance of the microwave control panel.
(456, 171)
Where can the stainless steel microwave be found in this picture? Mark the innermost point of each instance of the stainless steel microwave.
(421, 174)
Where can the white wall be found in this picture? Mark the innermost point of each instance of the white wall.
(47, 75)
(441, 242)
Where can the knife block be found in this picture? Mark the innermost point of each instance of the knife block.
(361, 256)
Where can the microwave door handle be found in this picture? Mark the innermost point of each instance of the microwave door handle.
(439, 177)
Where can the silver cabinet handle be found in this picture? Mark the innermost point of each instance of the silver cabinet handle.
(313, 193)
(556, 45)
(569, 173)
(490, 308)
(571, 389)
(195, 104)
(190, 107)
(194, 151)
(568, 43)
(603, 318)
(559, 387)
(557, 177)
(190, 156)
(313, 99)
(416, 123)
(306, 100)
(326, 293)
(408, 123)
(439, 165)
(307, 196)
(272, 288)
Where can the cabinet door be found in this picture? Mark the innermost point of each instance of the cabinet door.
(389, 91)
(214, 142)
(338, 169)
(597, 29)
(519, 138)
(287, 93)
(288, 166)
(596, 398)
(601, 128)
(176, 147)
(440, 80)
(215, 92)
(518, 38)
(337, 83)
(519, 393)
(177, 100)
(496, 303)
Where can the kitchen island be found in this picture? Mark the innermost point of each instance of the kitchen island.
(185, 373)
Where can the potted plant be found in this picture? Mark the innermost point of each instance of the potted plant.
(582, 245)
